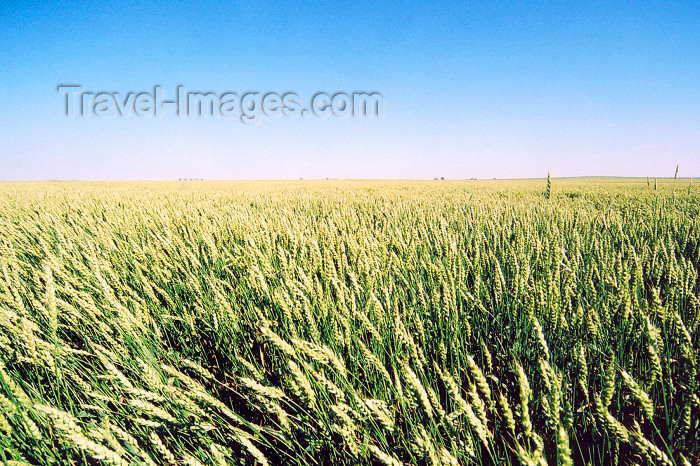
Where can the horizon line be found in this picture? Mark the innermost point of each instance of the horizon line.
(146, 180)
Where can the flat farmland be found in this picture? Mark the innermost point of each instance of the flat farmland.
(350, 322)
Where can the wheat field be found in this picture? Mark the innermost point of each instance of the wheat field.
(339, 322)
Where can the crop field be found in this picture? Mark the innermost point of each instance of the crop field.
(350, 322)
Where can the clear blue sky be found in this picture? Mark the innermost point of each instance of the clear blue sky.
(472, 89)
